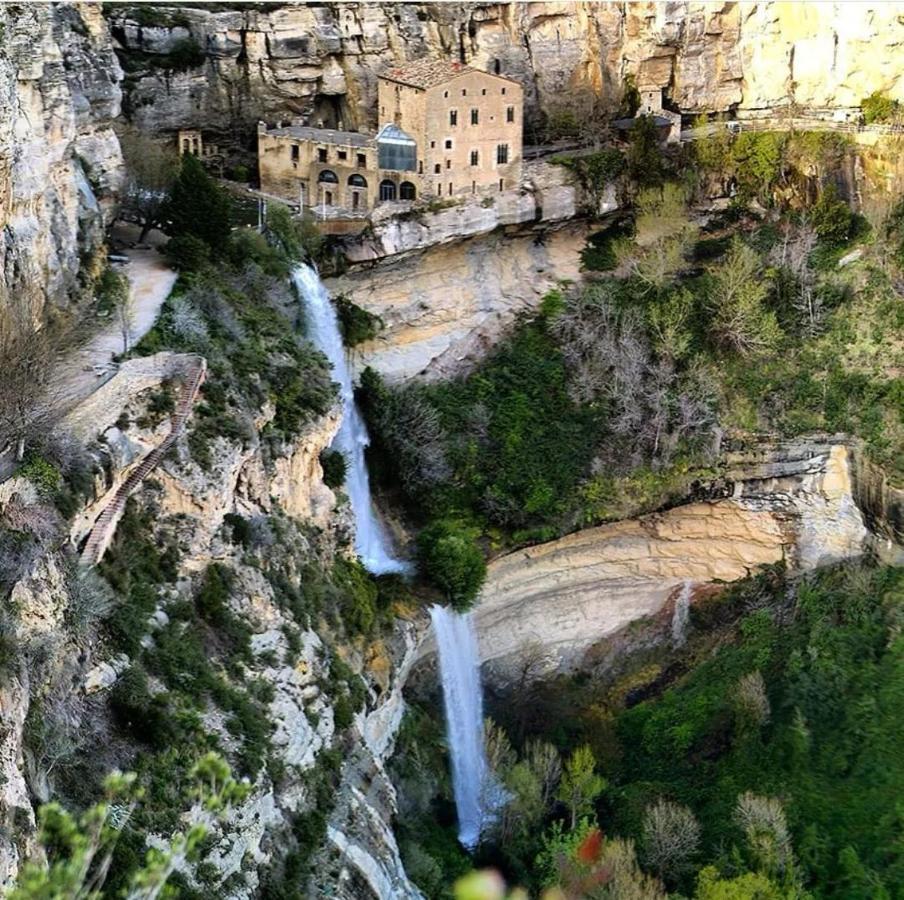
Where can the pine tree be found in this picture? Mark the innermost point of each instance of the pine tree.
(198, 206)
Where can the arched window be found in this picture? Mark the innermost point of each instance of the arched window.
(407, 191)
(387, 190)
(328, 177)
(357, 181)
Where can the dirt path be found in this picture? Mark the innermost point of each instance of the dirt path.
(81, 372)
(151, 281)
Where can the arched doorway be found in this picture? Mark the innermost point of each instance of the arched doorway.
(387, 189)
(357, 184)
(407, 191)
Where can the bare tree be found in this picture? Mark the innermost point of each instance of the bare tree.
(752, 700)
(763, 821)
(28, 353)
(671, 838)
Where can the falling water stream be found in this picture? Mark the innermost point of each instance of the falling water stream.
(455, 637)
(681, 614)
(371, 542)
(459, 668)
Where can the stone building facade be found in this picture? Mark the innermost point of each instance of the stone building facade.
(448, 130)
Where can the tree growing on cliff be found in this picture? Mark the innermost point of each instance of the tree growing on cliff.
(580, 785)
(151, 169)
(198, 207)
(451, 559)
(741, 322)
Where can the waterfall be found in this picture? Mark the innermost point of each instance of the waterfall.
(371, 542)
(681, 614)
(459, 668)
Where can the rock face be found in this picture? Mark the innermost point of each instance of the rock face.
(791, 503)
(322, 60)
(443, 308)
(60, 165)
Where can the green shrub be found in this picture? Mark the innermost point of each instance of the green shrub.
(452, 560)
(187, 253)
(334, 467)
(198, 207)
(42, 473)
(832, 217)
(356, 324)
(878, 108)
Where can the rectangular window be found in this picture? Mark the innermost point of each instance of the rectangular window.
(503, 91)
(328, 198)
(294, 152)
(450, 188)
(464, 92)
(475, 116)
(446, 94)
(356, 197)
(362, 160)
(475, 157)
(500, 184)
(473, 187)
(321, 154)
(453, 117)
(343, 154)
(448, 145)
(510, 114)
(437, 169)
(484, 92)
(501, 154)
(448, 163)
(432, 144)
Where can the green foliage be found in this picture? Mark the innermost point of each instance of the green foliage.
(357, 594)
(645, 164)
(299, 238)
(580, 785)
(877, 108)
(832, 217)
(757, 163)
(198, 207)
(750, 886)
(356, 324)
(451, 558)
(334, 467)
(81, 851)
(594, 171)
(187, 253)
(42, 473)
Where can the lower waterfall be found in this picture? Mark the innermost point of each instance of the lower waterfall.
(371, 542)
(459, 666)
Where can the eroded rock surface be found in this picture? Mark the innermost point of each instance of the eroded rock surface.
(60, 165)
(791, 503)
(323, 60)
(444, 308)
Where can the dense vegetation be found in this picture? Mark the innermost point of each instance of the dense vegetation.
(761, 760)
(613, 398)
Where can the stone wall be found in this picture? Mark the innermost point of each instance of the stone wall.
(61, 167)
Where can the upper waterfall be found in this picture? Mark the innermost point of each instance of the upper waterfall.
(371, 542)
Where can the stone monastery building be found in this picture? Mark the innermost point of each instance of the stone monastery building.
(447, 130)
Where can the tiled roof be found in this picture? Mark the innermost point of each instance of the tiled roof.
(426, 73)
(325, 136)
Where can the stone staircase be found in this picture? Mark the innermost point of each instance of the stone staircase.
(105, 525)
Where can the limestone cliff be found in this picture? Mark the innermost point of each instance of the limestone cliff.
(443, 308)
(322, 60)
(60, 163)
(792, 503)
(60, 677)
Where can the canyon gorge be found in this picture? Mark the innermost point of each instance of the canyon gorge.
(191, 559)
